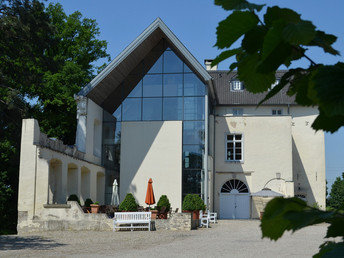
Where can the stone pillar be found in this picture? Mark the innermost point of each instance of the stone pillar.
(79, 181)
(64, 175)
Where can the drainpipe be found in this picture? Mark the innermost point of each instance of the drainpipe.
(206, 196)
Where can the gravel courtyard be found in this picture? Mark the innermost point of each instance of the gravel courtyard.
(225, 239)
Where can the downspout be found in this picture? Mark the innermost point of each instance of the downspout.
(214, 157)
(206, 195)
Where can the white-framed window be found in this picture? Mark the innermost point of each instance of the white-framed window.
(277, 112)
(236, 85)
(238, 111)
(234, 147)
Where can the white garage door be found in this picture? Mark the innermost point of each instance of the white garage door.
(234, 200)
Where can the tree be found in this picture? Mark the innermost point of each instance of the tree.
(336, 198)
(276, 40)
(46, 57)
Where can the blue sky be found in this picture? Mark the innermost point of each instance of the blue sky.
(194, 22)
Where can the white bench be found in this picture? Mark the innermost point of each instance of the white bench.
(131, 220)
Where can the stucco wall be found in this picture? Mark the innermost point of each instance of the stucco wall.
(308, 148)
(308, 156)
(267, 150)
(152, 150)
(47, 171)
(89, 129)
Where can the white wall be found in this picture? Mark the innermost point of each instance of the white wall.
(38, 182)
(152, 150)
(267, 150)
(308, 156)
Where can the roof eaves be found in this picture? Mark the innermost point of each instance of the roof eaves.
(158, 23)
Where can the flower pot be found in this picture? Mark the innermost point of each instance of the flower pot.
(95, 208)
(261, 215)
(154, 213)
(195, 214)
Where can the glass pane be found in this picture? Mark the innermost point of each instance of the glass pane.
(137, 91)
(187, 69)
(238, 137)
(194, 108)
(193, 132)
(157, 67)
(152, 85)
(192, 156)
(193, 86)
(118, 113)
(152, 109)
(173, 84)
(132, 109)
(172, 63)
(230, 137)
(118, 133)
(192, 181)
(173, 108)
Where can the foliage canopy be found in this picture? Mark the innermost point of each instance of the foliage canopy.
(278, 39)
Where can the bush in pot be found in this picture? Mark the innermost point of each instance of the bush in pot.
(193, 203)
(88, 202)
(164, 202)
(129, 203)
(74, 197)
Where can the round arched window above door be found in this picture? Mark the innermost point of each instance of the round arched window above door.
(234, 186)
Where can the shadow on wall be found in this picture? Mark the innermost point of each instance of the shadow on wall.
(137, 139)
(29, 242)
(301, 185)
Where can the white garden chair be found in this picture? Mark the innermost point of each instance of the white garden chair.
(204, 219)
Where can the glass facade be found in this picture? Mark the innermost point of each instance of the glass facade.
(171, 91)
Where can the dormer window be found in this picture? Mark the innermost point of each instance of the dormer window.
(236, 85)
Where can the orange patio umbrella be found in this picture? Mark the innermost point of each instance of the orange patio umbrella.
(150, 194)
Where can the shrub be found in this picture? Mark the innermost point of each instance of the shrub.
(74, 197)
(164, 202)
(88, 202)
(193, 202)
(128, 204)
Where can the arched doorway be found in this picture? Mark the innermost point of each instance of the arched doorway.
(234, 200)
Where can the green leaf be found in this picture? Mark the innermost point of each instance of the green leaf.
(336, 227)
(233, 27)
(329, 87)
(324, 41)
(328, 123)
(286, 78)
(330, 249)
(276, 13)
(238, 5)
(276, 58)
(254, 81)
(300, 33)
(253, 40)
(224, 55)
(290, 214)
(272, 39)
(300, 86)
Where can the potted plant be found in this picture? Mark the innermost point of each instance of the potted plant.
(95, 207)
(193, 203)
(163, 202)
(129, 203)
(75, 198)
(154, 211)
(87, 205)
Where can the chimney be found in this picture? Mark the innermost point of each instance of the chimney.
(207, 63)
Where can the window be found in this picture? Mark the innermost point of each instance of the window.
(234, 148)
(238, 111)
(236, 85)
(276, 112)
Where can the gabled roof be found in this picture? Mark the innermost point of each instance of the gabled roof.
(104, 85)
(225, 96)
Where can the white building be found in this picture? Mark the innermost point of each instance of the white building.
(156, 112)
